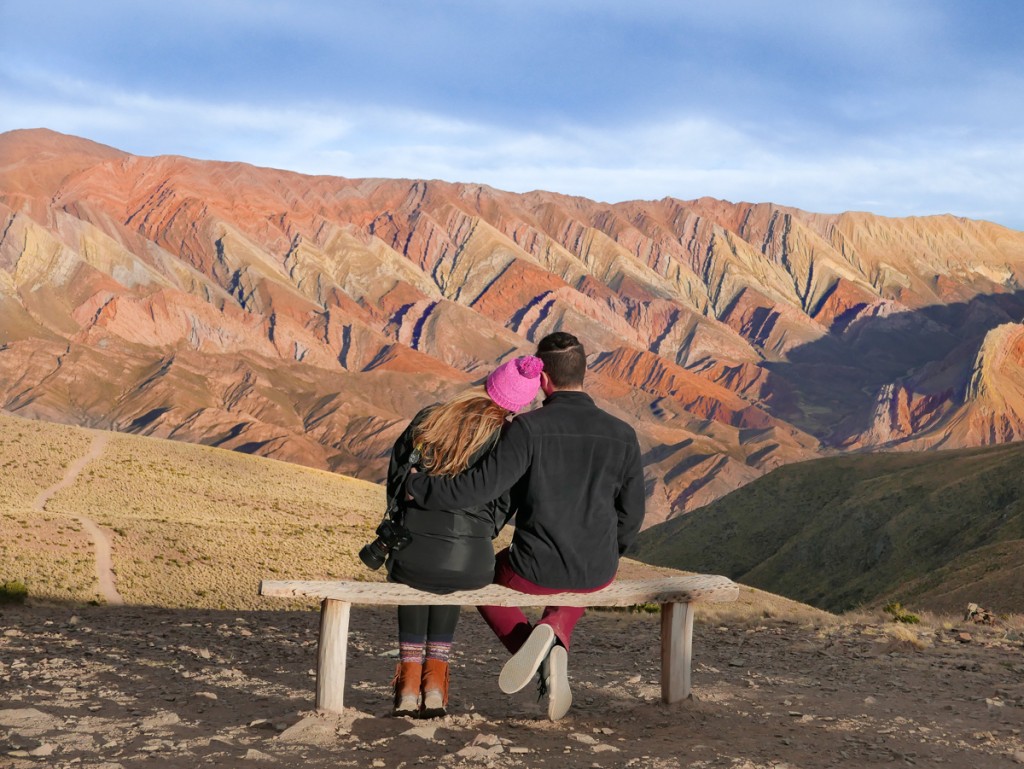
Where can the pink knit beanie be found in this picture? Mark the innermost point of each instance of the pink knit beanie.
(515, 382)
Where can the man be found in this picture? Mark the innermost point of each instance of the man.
(577, 489)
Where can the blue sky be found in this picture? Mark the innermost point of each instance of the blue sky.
(900, 108)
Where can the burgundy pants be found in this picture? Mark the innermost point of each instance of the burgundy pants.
(510, 624)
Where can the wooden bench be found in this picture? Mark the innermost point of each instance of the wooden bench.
(676, 595)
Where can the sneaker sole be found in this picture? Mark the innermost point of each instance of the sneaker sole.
(559, 693)
(523, 665)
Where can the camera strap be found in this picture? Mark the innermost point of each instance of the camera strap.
(393, 507)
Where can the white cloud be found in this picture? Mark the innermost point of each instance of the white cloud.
(691, 156)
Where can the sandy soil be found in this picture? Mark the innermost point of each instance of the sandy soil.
(105, 686)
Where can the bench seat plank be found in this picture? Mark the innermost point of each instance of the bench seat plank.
(687, 589)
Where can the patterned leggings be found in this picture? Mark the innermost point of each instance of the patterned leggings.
(426, 632)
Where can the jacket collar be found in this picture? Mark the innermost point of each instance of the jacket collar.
(568, 396)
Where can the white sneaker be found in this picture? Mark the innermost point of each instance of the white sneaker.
(523, 665)
(559, 694)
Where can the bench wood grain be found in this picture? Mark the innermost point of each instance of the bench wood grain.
(675, 595)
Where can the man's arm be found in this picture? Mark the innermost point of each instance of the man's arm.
(630, 501)
(495, 475)
(501, 511)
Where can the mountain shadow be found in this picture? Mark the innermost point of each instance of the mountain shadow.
(935, 530)
(830, 387)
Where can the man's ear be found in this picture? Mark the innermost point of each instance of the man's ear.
(545, 383)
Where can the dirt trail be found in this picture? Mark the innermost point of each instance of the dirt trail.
(100, 538)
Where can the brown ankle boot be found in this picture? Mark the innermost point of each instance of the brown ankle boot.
(435, 689)
(406, 684)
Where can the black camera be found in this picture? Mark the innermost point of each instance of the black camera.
(390, 536)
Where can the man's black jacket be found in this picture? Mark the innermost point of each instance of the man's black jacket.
(577, 490)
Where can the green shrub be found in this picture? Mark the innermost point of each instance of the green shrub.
(636, 608)
(645, 608)
(899, 614)
(13, 591)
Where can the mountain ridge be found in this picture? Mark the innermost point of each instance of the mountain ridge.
(174, 282)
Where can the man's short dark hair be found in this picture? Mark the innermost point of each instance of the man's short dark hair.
(565, 360)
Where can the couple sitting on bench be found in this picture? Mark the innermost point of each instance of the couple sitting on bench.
(571, 475)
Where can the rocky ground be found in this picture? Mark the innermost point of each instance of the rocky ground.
(99, 686)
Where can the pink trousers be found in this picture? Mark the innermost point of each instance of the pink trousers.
(510, 624)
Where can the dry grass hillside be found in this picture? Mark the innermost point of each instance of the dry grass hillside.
(189, 525)
(48, 551)
(193, 526)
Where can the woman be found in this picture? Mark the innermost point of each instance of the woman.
(449, 550)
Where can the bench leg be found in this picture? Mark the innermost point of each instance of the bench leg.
(676, 650)
(333, 647)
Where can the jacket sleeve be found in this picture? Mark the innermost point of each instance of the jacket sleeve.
(501, 511)
(495, 475)
(630, 501)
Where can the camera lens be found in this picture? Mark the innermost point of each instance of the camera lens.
(374, 554)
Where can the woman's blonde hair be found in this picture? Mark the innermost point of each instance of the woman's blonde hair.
(453, 432)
